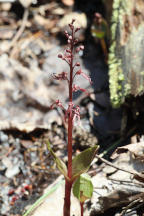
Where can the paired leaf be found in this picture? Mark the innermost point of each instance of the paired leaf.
(81, 162)
(60, 164)
(83, 188)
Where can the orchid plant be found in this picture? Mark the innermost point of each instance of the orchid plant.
(80, 163)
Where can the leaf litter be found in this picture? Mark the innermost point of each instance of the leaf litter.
(27, 89)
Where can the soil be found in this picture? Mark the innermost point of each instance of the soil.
(28, 89)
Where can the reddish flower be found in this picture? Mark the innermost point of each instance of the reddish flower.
(61, 76)
(77, 88)
(57, 103)
(76, 115)
(79, 72)
(60, 56)
(69, 110)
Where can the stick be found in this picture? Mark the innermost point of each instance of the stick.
(112, 165)
(20, 30)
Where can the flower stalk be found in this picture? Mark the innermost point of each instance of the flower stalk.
(72, 113)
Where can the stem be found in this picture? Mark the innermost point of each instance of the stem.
(82, 209)
(70, 118)
(68, 184)
(67, 202)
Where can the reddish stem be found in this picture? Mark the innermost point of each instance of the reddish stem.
(70, 118)
(82, 209)
(68, 185)
(67, 202)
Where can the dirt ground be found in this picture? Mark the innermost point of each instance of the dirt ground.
(31, 37)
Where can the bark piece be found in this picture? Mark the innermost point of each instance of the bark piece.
(126, 67)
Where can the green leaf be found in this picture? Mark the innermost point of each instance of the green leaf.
(60, 164)
(83, 188)
(81, 162)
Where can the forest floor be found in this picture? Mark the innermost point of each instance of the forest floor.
(28, 62)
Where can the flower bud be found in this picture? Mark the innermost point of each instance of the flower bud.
(73, 20)
(81, 47)
(77, 49)
(68, 51)
(69, 41)
(70, 37)
(77, 29)
(77, 64)
(75, 41)
(65, 32)
(71, 26)
(60, 56)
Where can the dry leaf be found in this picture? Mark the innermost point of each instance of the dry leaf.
(136, 149)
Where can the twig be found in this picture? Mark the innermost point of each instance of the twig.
(114, 166)
(20, 30)
(125, 181)
(129, 205)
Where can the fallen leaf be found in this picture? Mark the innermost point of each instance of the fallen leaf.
(137, 150)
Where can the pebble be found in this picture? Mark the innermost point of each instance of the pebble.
(3, 137)
(12, 171)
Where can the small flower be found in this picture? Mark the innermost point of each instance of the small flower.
(70, 37)
(79, 72)
(71, 26)
(60, 56)
(73, 20)
(57, 103)
(77, 88)
(68, 51)
(81, 47)
(75, 41)
(61, 76)
(69, 110)
(77, 64)
(77, 49)
(77, 29)
(76, 115)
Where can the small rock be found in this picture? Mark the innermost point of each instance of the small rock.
(12, 171)
(3, 137)
(51, 117)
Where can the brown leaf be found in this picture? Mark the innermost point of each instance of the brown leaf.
(136, 149)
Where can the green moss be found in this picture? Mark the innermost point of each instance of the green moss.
(115, 68)
(116, 73)
(140, 89)
(127, 89)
